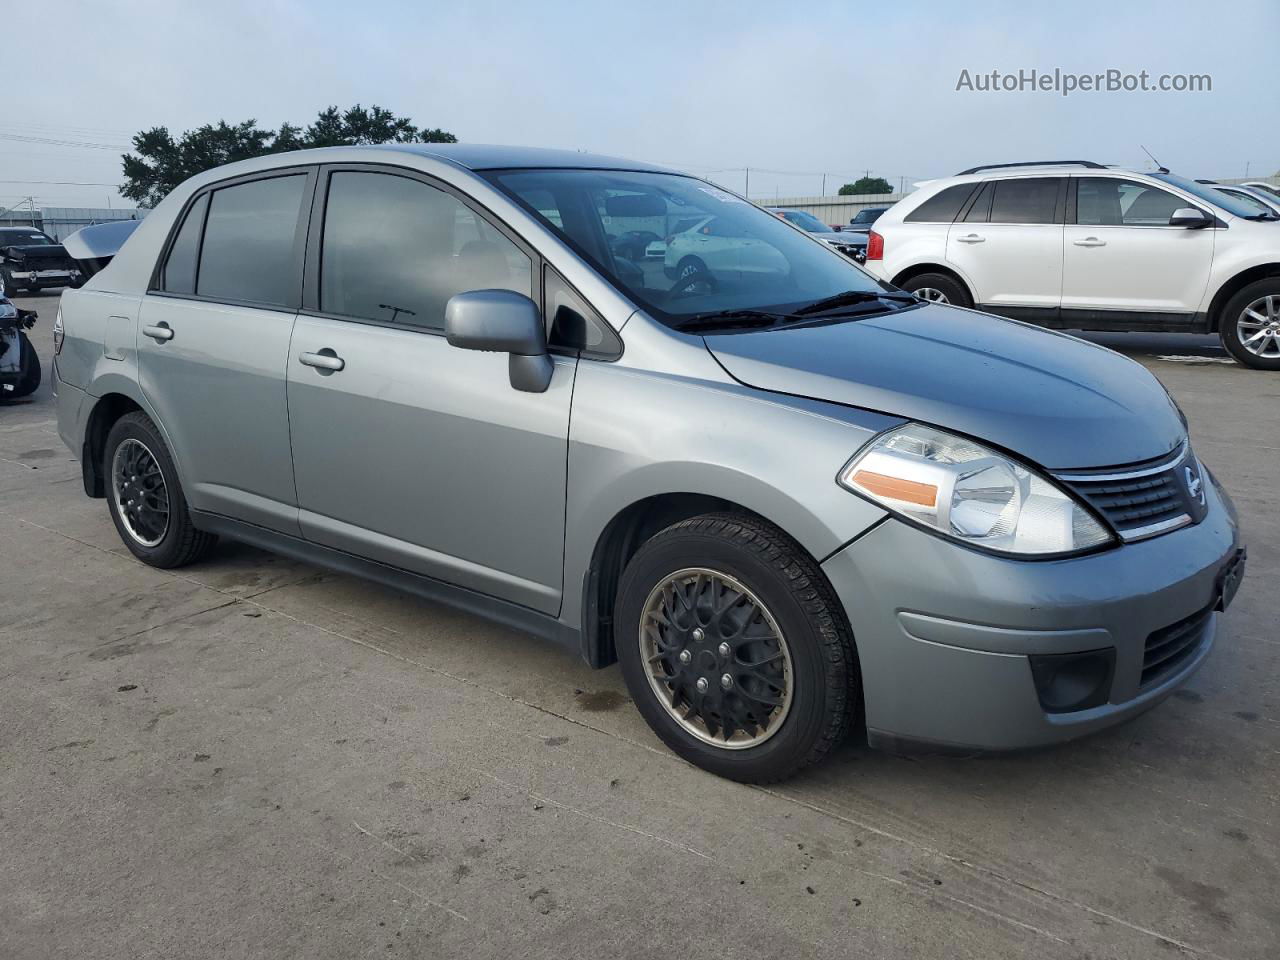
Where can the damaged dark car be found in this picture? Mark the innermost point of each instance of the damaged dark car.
(19, 364)
(32, 260)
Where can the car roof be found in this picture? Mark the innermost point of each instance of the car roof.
(487, 156)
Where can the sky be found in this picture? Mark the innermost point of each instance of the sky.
(790, 91)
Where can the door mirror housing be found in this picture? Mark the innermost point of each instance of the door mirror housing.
(502, 321)
(1190, 217)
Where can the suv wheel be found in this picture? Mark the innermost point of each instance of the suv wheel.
(1250, 325)
(734, 648)
(145, 498)
(939, 288)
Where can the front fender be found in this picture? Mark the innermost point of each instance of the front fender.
(635, 435)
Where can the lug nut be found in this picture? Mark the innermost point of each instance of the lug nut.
(685, 656)
(699, 635)
(724, 649)
(702, 684)
(726, 682)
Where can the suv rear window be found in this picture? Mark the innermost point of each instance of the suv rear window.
(249, 242)
(1026, 200)
(942, 207)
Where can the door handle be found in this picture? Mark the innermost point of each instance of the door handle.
(326, 359)
(1090, 242)
(972, 238)
(159, 332)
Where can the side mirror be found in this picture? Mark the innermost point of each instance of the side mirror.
(502, 321)
(1190, 217)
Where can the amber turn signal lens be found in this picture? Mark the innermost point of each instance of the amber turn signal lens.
(895, 488)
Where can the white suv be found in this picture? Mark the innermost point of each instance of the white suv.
(1077, 245)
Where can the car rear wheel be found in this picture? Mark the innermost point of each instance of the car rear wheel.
(734, 648)
(1250, 325)
(145, 498)
(939, 288)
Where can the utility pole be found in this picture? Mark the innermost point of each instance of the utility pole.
(824, 184)
(746, 190)
(32, 202)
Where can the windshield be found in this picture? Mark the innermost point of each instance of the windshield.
(23, 238)
(1210, 194)
(715, 252)
(806, 221)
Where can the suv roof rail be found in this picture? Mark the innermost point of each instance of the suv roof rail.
(1034, 163)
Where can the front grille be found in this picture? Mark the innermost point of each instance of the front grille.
(1141, 501)
(1171, 646)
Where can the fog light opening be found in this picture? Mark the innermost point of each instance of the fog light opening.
(1068, 682)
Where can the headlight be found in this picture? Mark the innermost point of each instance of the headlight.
(969, 492)
(7, 310)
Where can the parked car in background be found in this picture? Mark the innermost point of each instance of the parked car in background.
(657, 249)
(1078, 245)
(633, 243)
(852, 246)
(1265, 201)
(1262, 185)
(31, 260)
(863, 220)
(19, 362)
(785, 496)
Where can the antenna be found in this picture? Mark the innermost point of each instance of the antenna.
(1160, 167)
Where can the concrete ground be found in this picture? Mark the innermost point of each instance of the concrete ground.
(255, 758)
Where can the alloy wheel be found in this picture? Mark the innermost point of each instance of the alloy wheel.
(1258, 327)
(716, 659)
(141, 496)
(932, 294)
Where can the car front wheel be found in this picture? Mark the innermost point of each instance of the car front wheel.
(734, 648)
(1250, 325)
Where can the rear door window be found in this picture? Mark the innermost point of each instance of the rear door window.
(1029, 200)
(250, 250)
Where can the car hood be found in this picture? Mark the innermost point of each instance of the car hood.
(1060, 402)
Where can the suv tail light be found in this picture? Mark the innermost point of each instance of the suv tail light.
(875, 246)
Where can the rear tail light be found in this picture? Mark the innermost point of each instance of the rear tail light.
(59, 333)
(875, 246)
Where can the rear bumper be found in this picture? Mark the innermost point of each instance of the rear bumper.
(946, 635)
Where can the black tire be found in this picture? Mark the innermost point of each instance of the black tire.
(181, 543)
(773, 567)
(30, 380)
(10, 285)
(948, 286)
(1228, 323)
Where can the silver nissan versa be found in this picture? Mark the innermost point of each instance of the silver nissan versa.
(782, 494)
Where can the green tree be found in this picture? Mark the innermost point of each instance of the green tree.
(162, 162)
(866, 185)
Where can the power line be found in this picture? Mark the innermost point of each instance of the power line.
(22, 138)
(65, 183)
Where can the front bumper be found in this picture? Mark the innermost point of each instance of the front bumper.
(945, 634)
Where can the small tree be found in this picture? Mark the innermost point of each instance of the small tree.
(866, 185)
(163, 162)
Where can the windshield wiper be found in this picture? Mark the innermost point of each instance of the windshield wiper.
(727, 319)
(851, 297)
(1264, 217)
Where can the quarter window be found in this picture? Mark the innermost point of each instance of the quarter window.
(942, 207)
(1106, 202)
(1026, 200)
(395, 250)
(180, 268)
(249, 249)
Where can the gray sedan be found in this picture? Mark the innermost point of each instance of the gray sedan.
(787, 498)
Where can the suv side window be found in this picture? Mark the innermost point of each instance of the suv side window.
(250, 248)
(179, 274)
(1026, 200)
(1107, 202)
(942, 207)
(395, 249)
